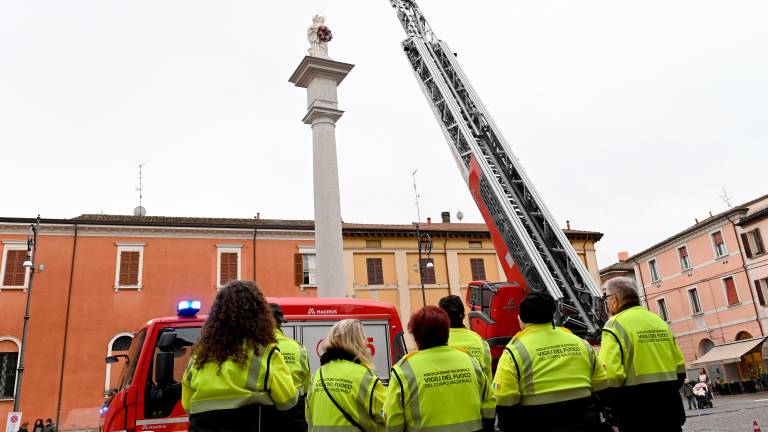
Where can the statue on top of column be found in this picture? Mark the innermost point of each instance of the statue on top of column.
(319, 35)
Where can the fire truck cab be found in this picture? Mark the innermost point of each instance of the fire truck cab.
(148, 396)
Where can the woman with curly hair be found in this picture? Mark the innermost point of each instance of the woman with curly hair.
(236, 368)
(345, 393)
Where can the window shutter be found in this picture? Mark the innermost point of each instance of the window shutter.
(228, 269)
(759, 290)
(718, 237)
(758, 242)
(298, 269)
(129, 268)
(375, 271)
(15, 272)
(730, 291)
(745, 242)
(477, 266)
(429, 273)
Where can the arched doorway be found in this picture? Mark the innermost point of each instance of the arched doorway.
(705, 346)
(743, 335)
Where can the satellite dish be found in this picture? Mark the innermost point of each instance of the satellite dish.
(139, 211)
(459, 215)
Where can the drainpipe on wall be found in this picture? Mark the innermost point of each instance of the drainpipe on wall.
(749, 278)
(66, 329)
(254, 254)
(642, 283)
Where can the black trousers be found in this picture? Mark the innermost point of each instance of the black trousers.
(292, 420)
(248, 418)
(579, 415)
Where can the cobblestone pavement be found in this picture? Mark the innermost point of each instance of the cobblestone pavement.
(730, 414)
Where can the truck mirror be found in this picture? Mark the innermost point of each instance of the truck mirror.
(164, 369)
(115, 358)
(166, 340)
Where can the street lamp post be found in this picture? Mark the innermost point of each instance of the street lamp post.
(32, 233)
(425, 246)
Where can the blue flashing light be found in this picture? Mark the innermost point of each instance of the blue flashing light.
(104, 410)
(188, 308)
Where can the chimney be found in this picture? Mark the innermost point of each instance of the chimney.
(258, 216)
(446, 217)
(567, 224)
(623, 256)
(697, 220)
(429, 220)
(710, 213)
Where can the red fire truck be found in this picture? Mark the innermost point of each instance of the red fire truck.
(148, 396)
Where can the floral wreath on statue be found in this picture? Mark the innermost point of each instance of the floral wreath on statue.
(324, 34)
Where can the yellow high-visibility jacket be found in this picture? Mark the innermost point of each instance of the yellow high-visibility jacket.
(475, 345)
(295, 356)
(441, 388)
(265, 380)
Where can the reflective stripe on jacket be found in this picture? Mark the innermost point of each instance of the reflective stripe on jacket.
(265, 380)
(638, 348)
(545, 365)
(475, 345)
(295, 356)
(438, 389)
(356, 389)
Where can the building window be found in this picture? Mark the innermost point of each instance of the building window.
(662, 304)
(118, 345)
(477, 265)
(475, 244)
(305, 269)
(373, 244)
(654, 268)
(730, 291)
(685, 260)
(428, 273)
(693, 296)
(14, 274)
(8, 369)
(761, 287)
(130, 260)
(717, 240)
(375, 271)
(753, 243)
(228, 265)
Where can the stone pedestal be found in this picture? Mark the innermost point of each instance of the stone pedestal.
(321, 77)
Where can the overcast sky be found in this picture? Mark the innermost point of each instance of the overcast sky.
(630, 117)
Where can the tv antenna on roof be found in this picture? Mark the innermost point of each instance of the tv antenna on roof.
(140, 210)
(416, 192)
(726, 199)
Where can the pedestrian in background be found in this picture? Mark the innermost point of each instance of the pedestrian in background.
(464, 338)
(438, 387)
(38, 427)
(50, 426)
(544, 370)
(236, 367)
(295, 356)
(345, 393)
(644, 363)
(688, 393)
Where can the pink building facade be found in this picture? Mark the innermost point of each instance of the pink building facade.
(712, 290)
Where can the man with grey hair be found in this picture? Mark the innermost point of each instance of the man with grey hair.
(645, 366)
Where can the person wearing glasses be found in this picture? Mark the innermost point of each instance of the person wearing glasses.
(644, 364)
(345, 394)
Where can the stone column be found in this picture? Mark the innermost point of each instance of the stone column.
(321, 77)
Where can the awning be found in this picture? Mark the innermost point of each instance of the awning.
(729, 352)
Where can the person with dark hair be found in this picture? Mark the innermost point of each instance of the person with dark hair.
(50, 426)
(295, 356)
(463, 338)
(236, 368)
(644, 363)
(39, 426)
(438, 387)
(546, 369)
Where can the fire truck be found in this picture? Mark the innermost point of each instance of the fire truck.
(149, 391)
(533, 250)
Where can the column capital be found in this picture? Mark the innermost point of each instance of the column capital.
(316, 67)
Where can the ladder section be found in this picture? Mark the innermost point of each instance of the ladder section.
(538, 247)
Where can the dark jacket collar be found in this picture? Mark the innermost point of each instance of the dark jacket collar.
(334, 353)
(627, 306)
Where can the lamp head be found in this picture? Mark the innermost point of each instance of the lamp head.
(430, 265)
(27, 264)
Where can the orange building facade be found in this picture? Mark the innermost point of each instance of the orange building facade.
(105, 276)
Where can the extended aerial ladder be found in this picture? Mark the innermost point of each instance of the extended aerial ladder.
(530, 246)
